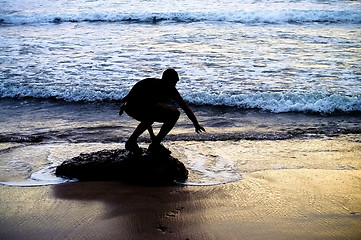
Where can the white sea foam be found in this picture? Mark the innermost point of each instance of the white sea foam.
(240, 16)
(269, 101)
(70, 95)
(281, 102)
(42, 177)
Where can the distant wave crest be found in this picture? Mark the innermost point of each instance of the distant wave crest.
(268, 101)
(282, 102)
(248, 17)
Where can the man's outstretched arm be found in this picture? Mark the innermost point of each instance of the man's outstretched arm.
(189, 112)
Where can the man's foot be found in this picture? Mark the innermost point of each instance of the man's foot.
(158, 148)
(132, 147)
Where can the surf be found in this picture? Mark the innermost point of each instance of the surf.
(276, 102)
(258, 16)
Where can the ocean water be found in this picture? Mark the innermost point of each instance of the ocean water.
(252, 70)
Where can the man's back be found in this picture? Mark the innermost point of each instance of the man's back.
(151, 91)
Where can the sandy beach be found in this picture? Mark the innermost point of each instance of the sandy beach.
(287, 176)
(275, 84)
(298, 203)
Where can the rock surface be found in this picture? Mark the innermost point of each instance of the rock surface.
(121, 165)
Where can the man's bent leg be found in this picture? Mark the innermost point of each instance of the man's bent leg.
(151, 133)
(131, 144)
(169, 116)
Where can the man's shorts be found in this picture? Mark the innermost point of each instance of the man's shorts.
(153, 113)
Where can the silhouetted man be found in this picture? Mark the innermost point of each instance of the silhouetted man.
(146, 102)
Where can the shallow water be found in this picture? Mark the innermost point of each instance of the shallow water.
(208, 163)
(43, 134)
(258, 74)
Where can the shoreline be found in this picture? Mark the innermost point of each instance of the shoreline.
(306, 187)
(208, 162)
(286, 204)
(46, 121)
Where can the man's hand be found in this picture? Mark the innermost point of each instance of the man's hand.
(199, 128)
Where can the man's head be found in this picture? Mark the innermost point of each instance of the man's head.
(171, 76)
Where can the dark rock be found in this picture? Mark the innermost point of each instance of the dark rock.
(121, 165)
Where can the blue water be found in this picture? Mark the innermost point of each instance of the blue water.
(252, 70)
(279, 56)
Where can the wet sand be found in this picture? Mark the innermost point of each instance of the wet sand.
(305, 187)
(273, 204)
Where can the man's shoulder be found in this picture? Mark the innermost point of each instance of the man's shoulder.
(147, 82)
(151, 80)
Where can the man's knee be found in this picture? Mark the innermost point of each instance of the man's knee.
(167, 114)
(175, 114)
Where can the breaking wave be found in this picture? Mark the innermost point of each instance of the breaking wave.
(269, 101)
(283, 102)
(248, 17)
